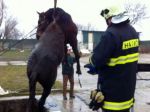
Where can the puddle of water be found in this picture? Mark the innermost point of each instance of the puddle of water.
(52, 105)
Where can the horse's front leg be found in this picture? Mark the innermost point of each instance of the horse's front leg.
(77, 55)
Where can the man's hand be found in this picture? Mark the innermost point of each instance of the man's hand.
(97, 99)
(92, 70)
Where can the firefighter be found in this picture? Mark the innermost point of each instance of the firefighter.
(114, 59)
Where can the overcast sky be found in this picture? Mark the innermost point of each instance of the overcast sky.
(82, 12)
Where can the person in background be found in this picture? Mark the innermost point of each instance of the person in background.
(114, 59)
(68, 74)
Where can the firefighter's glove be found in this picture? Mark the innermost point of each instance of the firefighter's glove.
(97, 99)
(92, 70)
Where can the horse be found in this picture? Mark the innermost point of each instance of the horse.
(43, 62)
(67, 25)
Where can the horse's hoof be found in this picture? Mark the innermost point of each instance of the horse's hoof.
(32, 106)
(43, 109)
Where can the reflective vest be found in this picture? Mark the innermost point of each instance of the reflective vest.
(115, 57)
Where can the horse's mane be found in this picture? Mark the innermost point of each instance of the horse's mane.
(53, 29)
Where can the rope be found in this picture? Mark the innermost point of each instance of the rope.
(55, 3)
(54, 12)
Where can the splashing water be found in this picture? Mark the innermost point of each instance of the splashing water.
(2, 91)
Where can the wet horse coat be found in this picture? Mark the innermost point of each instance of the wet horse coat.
(43, 62)
(67, 25)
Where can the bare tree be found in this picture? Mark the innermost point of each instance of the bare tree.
(137, 11)
(15, 34)
(8, 29)
(2, 11)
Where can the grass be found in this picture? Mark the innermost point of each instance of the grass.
(13, 78)
(15, 55)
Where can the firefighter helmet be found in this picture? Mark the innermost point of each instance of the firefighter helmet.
(117, 15)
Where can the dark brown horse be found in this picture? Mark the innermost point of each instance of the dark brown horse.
(67, 25)
(43, 62)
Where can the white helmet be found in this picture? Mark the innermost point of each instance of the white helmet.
(120, 18)
(117, 15)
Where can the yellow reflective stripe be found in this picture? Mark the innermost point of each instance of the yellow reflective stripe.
(124, 59)
(118, 105)
(130, 44)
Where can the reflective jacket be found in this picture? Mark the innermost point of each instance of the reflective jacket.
(115, 58)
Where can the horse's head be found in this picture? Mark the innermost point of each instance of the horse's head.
(42, 24)
(45, 18)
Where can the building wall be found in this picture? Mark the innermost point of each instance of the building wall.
(19, 44)
(96, 35)
(91, 38)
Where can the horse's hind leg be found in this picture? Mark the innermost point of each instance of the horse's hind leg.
(46, 92)
(47, 86)
(32, 85)
(32, 104)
